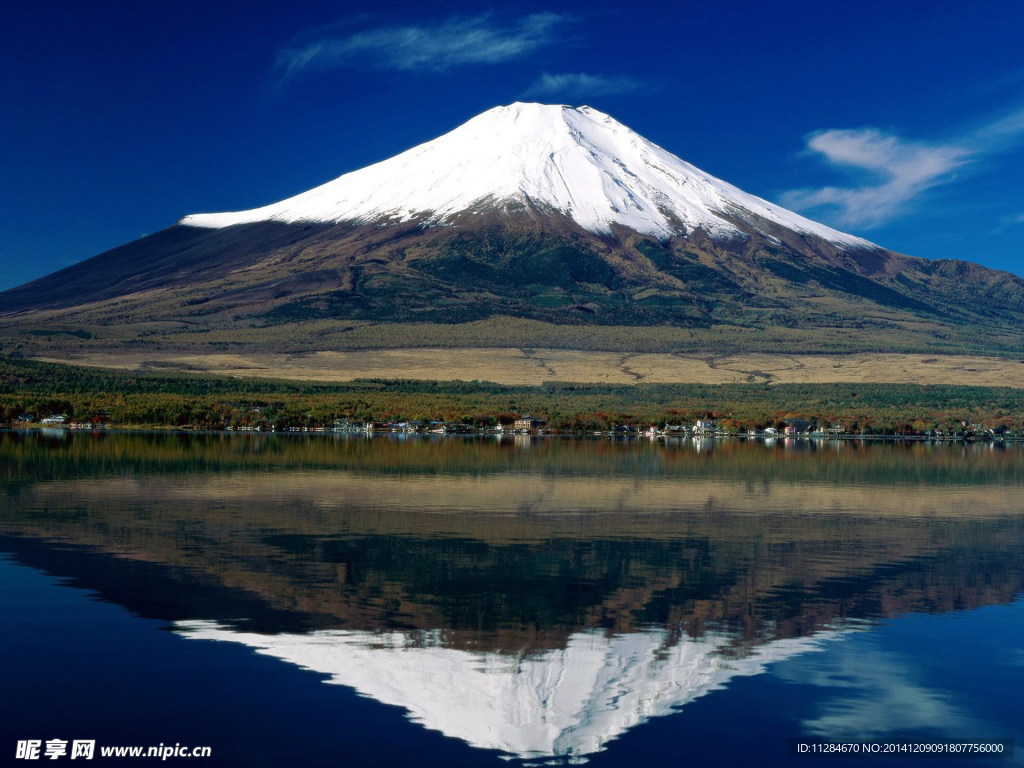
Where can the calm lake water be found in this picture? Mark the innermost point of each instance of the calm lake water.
(321, 600)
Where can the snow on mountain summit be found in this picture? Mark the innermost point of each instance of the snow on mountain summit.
(577, 161)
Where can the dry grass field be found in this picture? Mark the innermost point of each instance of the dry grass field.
(527, 366)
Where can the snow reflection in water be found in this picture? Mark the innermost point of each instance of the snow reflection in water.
(565, 703)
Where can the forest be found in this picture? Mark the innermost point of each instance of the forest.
(31, 391)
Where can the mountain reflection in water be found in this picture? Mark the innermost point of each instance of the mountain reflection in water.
(538, 598)
(565, 703)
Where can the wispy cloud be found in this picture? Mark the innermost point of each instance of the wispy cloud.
(898, 170)
(1012, 220)
(438, 47)
(906, 169)
(999, 134)
(580, 85)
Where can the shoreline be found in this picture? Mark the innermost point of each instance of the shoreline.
(52, 430)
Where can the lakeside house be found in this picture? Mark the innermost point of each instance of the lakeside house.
(797, 427)
(406, 426)
(527, 423)
(349, 425)
(704, 427)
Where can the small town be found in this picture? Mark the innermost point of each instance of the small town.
(703, 428)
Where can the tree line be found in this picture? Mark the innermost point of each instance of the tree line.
(37, 390)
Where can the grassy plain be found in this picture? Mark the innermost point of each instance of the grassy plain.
(533, 367)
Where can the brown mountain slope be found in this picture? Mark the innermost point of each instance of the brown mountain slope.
(271, 286)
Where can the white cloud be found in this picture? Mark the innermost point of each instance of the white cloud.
(900, 170)
(1000, 133)
(1010, 221)
(452, 43)
(903, 170)
(579, 85)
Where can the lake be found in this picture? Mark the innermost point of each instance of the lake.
(305, 600)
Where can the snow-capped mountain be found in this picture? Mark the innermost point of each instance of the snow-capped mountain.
(577, 161)
(556, 215)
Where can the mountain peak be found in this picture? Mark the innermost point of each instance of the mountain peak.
(576, 161)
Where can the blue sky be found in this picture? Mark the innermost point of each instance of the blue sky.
(900, 121)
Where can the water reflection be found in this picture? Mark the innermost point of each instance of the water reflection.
(875, 692)
(563, 703)
(539, 597)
